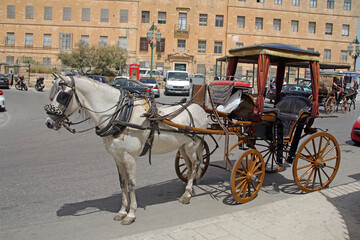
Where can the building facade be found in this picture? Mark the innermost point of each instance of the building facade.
(193, 32)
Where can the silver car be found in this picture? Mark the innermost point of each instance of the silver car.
(151, 82)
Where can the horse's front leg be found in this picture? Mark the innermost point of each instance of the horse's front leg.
(124, 192)
(130, 166)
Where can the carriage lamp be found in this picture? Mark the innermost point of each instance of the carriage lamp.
(153, 42)
(351, 49)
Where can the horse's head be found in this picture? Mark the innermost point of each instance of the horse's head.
(64, 102)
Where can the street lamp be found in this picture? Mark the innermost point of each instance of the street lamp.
(351, 49)
(153, 42)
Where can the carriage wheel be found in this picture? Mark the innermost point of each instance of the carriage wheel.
(316, 162)
(247, 176)
(330, 105)
(345, 106)
(180, 166)
(268, 151)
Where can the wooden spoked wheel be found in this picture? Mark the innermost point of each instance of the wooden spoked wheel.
(330, 105)
(182, 170)
(268, 151)
(247, 176)
(316, 162)
(345, 106)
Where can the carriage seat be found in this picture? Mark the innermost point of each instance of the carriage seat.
(289, 110)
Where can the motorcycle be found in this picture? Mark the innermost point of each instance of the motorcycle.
(39, 86)
(20, 84)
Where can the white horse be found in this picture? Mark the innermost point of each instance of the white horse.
(100, 101)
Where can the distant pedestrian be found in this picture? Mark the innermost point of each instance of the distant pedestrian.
(11, 77)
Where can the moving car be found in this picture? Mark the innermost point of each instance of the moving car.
(97, 78)
(151, 82)
(130, 85)
(4, 81)
(2, 101)
(355, 132)
(290, 90)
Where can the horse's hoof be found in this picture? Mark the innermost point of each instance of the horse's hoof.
(184, 200)
(127, 221)
(119, 217)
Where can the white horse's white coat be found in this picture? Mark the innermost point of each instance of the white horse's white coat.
(97, 97)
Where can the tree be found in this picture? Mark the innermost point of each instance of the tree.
(102, 59)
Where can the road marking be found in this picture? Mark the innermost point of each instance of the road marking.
(5, 118)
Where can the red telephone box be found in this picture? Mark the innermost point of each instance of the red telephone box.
(134, 71)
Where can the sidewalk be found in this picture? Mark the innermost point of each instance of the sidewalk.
(333, 213)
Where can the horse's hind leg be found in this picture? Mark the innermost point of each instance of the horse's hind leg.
(189, 151)
(200, 157)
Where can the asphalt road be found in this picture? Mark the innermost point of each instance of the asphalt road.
(57, 185)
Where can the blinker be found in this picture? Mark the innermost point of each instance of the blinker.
(64, 98)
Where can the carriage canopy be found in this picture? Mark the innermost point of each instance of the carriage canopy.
(278, 54)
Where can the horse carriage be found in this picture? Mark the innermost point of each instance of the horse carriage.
(343, 96)
(265, 140)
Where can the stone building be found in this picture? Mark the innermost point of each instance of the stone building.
(193, 32)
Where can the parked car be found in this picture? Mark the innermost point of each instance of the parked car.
(198, 79)
(130, 85)
(355, 132)
(4, 81)
(151, 82)
(97, 78)
(2, 101)
(145, 73)
(290, 90)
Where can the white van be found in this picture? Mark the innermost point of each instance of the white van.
(145, 72)
(177, 82)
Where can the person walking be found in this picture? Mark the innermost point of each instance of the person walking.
(11, 76)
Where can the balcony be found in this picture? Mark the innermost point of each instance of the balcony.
(181, 31)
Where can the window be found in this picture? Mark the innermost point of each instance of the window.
(104, 15)
(259, 23)
(345, 30)
(10, 38)
(47, 62)
(10, 59)
(242, 0)
(47, 40)
(160, 47)
(65, 41)
(240, 23)
(328, 29)
(162, 18)
(122, 42)
(103, 42)
(313, 3)
(182, 21)
(219, 21)
(124, 15)
(10, 11)
(277, 1)
(67, 13)
(29, 39)
(218, 47)
(145, 17)
(48, 13)
(296, 2)
(260, 1)
(181, 44)
(85, 39)
(327, 54)
(330, 4)
(347, 5)
(312, 27)
(277, 25)
(203, 19)
(239, 45)
(143, 44)
(85, 14)
(294, 26)
(201, 46)
(29, 12)
(343, 56)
